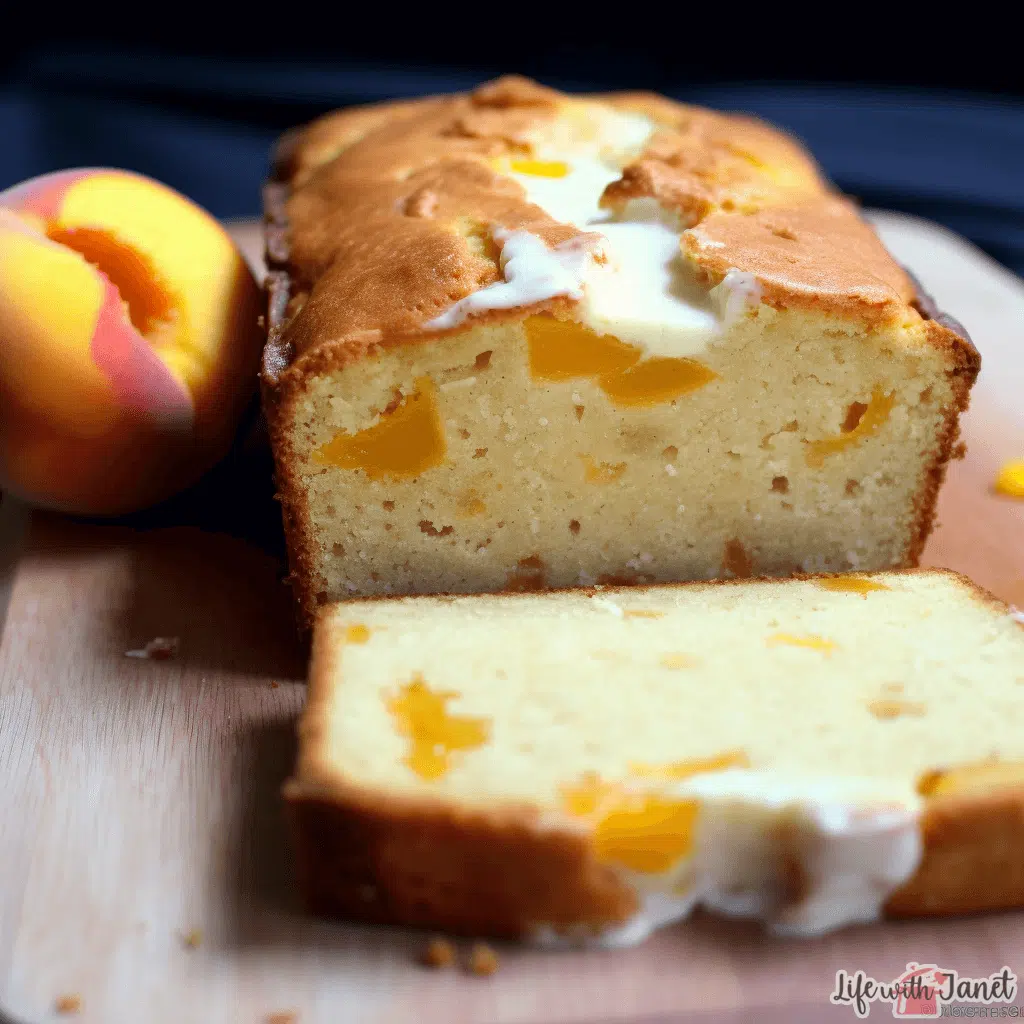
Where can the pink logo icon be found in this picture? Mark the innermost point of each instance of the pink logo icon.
(918, 996)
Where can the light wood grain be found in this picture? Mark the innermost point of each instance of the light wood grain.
(140, 798)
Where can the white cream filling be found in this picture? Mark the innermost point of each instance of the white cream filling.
(572, 199)
(738, 292)
(643, 294)
(849, 843)
(532, 272)
(634, 284)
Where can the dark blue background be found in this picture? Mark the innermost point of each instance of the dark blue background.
(928, 124)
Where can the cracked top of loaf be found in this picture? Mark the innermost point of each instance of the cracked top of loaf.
(388, 212)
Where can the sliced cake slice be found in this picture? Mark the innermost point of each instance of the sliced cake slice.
(811, 752)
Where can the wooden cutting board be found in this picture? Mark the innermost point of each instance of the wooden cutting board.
(139, 801)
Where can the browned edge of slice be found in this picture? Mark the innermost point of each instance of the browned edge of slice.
(425, 862)
(948, 334)
(277, 357)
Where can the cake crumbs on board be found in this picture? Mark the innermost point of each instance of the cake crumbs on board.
(192, 939)
(68, 1004)
(438, 953)
(483, 961)
(283, 1017)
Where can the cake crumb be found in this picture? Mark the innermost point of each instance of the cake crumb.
(283, 1017)
(68, 1004)
(483, 961)
(193, 939)
(438, 953)
(158, 649)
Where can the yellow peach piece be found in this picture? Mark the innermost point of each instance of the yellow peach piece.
(811, 642)
(562, 350)
(656, 381)
(972, 778)
(601, 472)
(1010, 480)
(870, 421)
(541, 168)
(851, 585)
(676, 771)
(406, 441)
(645, 831)
(129, 341)
(434, 733)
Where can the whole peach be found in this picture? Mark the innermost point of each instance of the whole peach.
(129, 341)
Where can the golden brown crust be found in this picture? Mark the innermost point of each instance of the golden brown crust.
(471, 876)
(501, 872)
(277, 359)
(303, 151)
(973, 857)
(702, 161)
(817, 254)
(423, 861)
(390, 208)
(965, 365)
(948, 335)
(463, 873)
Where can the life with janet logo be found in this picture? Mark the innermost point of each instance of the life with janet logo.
(922, 990)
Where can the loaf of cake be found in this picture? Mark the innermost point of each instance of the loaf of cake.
(593, 764)
(522, 340)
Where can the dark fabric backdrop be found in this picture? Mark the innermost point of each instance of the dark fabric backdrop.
(204, 121)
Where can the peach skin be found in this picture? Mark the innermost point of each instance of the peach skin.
(129, 341)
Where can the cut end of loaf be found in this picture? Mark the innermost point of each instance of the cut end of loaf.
(738, 378)
(471, 466)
